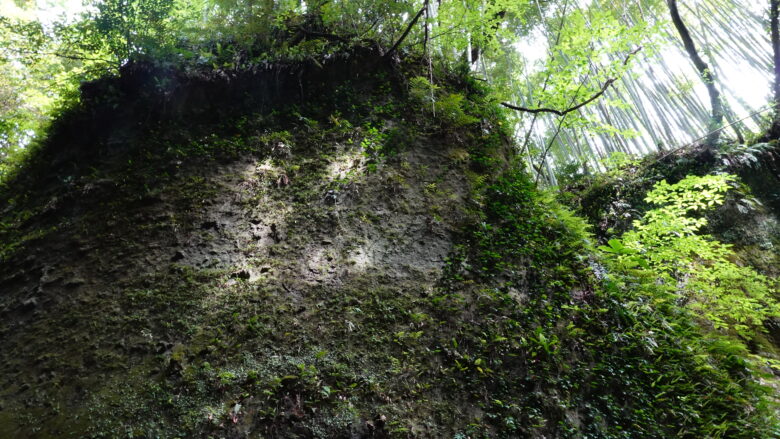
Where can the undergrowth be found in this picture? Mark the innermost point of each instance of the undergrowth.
(551, 340)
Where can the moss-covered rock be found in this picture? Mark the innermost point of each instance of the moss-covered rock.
(332, 262)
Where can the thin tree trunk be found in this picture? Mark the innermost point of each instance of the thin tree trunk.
(774, 12)
(728, 113)
(705, 72)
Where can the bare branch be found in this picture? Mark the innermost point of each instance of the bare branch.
(408, 29)
(597, 95)
(547, 79)
(552, 141)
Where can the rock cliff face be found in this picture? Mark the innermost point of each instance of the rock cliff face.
(306, 250)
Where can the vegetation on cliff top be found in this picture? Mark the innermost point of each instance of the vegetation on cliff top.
(584, 79)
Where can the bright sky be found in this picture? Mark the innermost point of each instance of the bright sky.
(745, 83)
(47, 11)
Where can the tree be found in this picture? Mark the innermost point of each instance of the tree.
(129, 27)
(774, 14)
(587, 76)
(706, 74)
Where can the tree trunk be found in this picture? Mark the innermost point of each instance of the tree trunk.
(705, 72)
(775, 30)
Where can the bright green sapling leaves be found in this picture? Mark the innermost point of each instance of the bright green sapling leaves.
(667, 246)
(447, 106)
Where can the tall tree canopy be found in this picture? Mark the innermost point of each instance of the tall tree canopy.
(583, 78)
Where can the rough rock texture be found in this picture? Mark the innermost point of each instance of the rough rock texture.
(267, 254)
(94, 295)
(216, 259)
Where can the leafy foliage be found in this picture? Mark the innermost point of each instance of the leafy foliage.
(447, 106)
(580, 337)
(697, 268)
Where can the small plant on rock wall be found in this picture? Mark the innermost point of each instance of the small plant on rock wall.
(619, 162)
(447, 106)
(700, 270)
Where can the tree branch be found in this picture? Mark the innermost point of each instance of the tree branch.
(408, 29)
(597, 95)
(547, 150)
(549, 75)
(552, 141)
